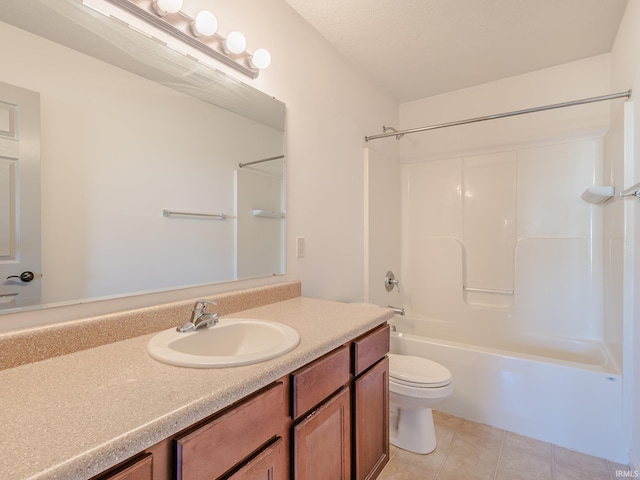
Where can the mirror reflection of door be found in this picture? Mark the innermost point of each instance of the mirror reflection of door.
(19, 196)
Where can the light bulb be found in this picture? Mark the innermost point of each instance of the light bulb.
(205, 24)
(235, 43)
(162, 7)
(261, 58)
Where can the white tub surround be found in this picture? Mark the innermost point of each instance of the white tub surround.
(517, 281)
(562, 391)
(75, 415)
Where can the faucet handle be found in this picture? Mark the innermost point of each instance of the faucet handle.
(201, 304)
(390, 281)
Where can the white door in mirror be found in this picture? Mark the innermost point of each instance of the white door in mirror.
(19, 197)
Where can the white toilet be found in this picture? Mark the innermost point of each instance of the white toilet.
(416, 385)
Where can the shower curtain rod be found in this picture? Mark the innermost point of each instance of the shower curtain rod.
(398, 134)
(260, 161)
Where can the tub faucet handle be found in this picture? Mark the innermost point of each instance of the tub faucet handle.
(390, 281)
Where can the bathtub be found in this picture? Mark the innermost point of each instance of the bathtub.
(563, 391)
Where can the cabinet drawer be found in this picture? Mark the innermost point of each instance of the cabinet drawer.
(312, 384)
(216, 447)
(140, 469)
(370, 348)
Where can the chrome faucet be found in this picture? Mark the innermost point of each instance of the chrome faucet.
(200, 318)
(396, 310)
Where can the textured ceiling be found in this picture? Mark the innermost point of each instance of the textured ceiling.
(418, 48)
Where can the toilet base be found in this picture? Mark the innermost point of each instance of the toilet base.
(412, 430)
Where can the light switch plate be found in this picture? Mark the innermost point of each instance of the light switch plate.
(299, 247)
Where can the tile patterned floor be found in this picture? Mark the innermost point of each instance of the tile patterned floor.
(472, 451)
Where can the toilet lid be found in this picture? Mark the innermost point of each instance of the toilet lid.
(417, 371)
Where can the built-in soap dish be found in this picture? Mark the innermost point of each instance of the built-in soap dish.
(598, 195)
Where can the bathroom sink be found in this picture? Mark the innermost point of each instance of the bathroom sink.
(232, 342)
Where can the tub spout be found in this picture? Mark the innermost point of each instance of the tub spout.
(398, 311)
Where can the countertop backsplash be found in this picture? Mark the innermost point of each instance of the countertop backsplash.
(38, 343)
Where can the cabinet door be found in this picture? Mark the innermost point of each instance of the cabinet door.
(321, 441)
(371, 421)
(267, 465)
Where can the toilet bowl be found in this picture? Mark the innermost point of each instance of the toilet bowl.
(416, 385)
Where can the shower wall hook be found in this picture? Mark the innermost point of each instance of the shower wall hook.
(390, 281)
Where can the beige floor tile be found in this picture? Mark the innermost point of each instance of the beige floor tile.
(526, 455)
(472, 451)
(620, 470)
(479, 442)
(459, 466)
(444, 420)
(446, 427)
(481, 432)
(575, 474)
(570, 465)
(405, 465)
(408, 466)
(521, 475)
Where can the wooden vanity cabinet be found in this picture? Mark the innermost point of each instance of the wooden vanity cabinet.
(326, 420)
(246, 438)
(322, 441)
(370, 403)
(321, 409)
(315, 382)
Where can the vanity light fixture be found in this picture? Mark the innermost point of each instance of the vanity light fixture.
(200, 32)
(235, 43)
(163, 7)
(261, 58)
(205, 24)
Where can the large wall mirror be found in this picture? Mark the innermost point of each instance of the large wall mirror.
(140, 152)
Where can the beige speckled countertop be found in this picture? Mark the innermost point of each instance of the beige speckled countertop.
(75, 415)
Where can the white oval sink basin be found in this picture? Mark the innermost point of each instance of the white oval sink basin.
(230, 343)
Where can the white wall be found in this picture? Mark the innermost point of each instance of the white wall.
(571, 81)
(625, 73)
(383, 227)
